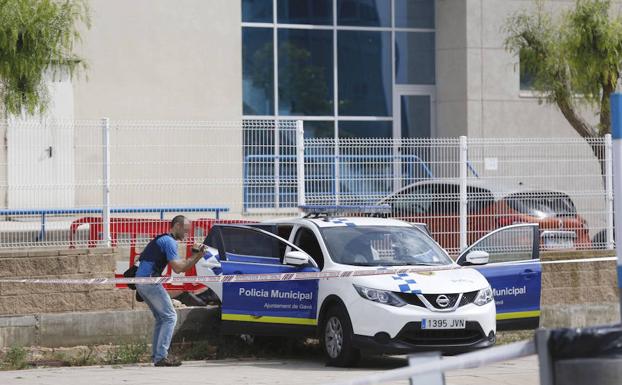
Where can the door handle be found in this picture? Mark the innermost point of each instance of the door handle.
(528, 273)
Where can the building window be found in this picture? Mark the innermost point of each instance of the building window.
(365, 129)
(305, 72)
(375, 46)
(526, 76)
(364, 73)
(414, 58)
(257, 11)
(319, 12)
(343, 67)
(414, 13)
(257, 71)
(369, 13)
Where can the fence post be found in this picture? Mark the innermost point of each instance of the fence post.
(609, 189)
(463, 192)
(277, 164)
(106, 182)
(300, 162)
(430, 378)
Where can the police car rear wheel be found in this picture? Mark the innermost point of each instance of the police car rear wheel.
(337, 338)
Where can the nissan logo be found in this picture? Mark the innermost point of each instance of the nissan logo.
(442, 301)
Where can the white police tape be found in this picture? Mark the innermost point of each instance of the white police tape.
(271, 277)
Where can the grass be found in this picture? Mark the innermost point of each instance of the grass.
(15, 359)
(126, 354)
(220, 348)
(508, 337)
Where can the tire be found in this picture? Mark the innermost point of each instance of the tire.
(600, 240)
(336, 338)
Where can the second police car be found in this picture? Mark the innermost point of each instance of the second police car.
(450, 309)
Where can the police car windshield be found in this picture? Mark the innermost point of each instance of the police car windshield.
(382, 246)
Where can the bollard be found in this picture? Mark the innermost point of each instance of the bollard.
(582, 356)
(429, 378)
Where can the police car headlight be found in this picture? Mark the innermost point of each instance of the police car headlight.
(483, 297)
(380, 296)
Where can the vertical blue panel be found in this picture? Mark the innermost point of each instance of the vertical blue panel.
(616, 115)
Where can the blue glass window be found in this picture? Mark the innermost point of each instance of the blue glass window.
(416, 116)
(257, 71)
(364, 73)
(305, 72)
(414, 13)
(305, 12)
(415, 58)
(374, 13)
(257, 11)
(365, 129)
(319, 129)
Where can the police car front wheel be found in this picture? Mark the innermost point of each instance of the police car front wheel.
(336, 338)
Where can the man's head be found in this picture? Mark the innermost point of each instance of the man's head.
(180, 226)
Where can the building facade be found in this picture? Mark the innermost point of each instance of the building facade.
(348, 68)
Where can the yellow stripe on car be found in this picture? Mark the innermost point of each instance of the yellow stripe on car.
(518, 314)
(272, 320)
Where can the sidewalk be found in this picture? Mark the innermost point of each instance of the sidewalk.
(265, 372)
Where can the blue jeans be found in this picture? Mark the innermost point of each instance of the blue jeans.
(165, 316)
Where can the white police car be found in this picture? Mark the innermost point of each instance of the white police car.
(450, 309)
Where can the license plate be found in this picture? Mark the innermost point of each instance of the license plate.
(558, 243)
(432, 323)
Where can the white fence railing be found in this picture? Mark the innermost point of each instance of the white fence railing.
(94, 182)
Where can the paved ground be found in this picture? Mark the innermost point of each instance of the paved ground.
(264, 372)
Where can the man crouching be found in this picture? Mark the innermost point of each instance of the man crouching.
(159, 252)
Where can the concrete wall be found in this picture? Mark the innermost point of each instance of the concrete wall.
(579, 294)
(495, 106)
(161, 60)
(89, 328)
(23, 299)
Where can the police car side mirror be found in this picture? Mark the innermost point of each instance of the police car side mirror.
(296, 258)
(477, 257)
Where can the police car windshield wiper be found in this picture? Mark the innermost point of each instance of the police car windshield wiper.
(360, 264)
(423, 264)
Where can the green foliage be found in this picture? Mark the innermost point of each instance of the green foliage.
(37, 37)
(578, 53)
(15, 358)
(126, 354)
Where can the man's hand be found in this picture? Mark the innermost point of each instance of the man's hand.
(181, 266)
(198, 248)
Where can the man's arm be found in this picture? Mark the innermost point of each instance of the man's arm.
(183, 265)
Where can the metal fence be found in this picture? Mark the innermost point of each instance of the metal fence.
(98, 182)
(464, 188)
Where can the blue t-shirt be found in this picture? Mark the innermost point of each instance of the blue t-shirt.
(168, 247)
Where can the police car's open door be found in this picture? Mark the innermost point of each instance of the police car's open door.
(271, 308)
(514, 272)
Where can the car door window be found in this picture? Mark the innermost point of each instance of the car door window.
(248, 242)
(413, 201)
(511, 244)
(307, 241)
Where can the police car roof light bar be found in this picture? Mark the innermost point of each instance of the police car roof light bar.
(316, 211)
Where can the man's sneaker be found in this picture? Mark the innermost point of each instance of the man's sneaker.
(168, 362)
